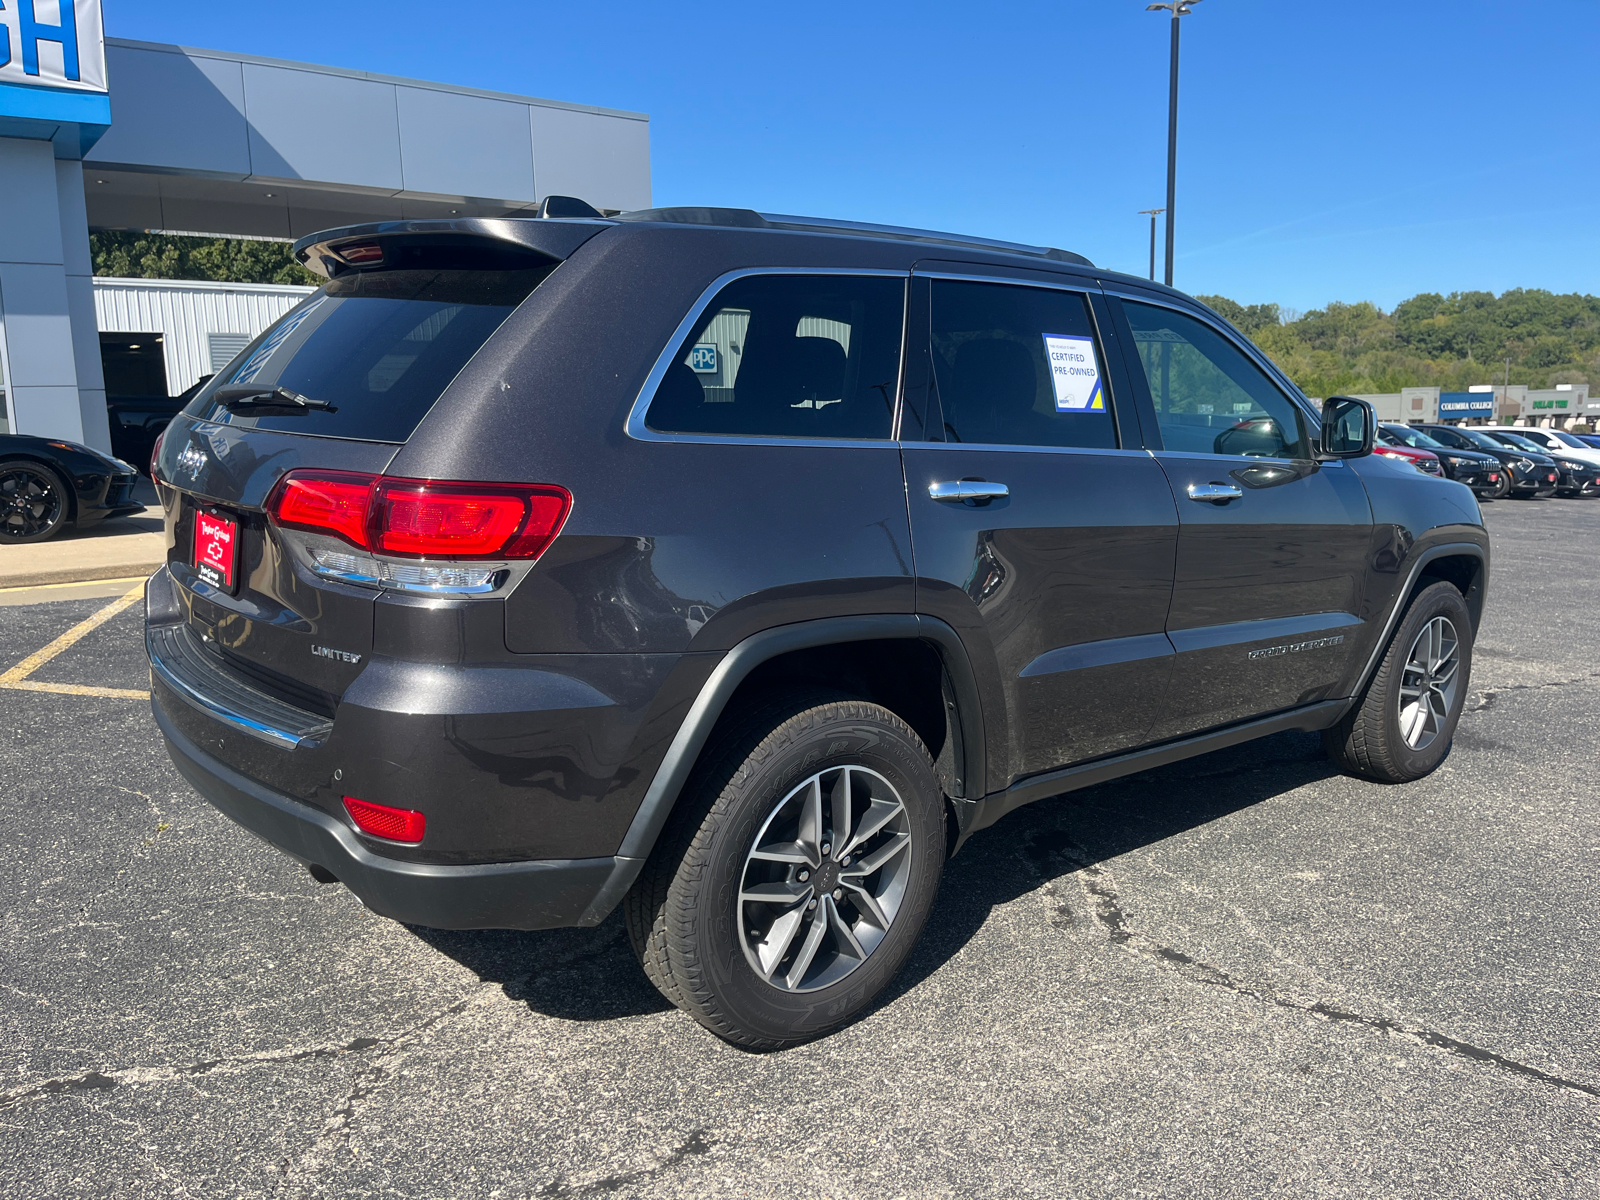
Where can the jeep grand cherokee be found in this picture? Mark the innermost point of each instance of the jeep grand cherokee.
(736, 569)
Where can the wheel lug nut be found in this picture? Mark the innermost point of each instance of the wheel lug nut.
(845, 861)
(826, 847)
(838, 893)
(813, 904)
(804, 875)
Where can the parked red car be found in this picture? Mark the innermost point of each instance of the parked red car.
(1425, 461)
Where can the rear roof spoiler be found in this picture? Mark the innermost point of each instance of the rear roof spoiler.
(551, 238)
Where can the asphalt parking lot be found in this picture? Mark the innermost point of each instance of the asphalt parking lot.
(1243, 975)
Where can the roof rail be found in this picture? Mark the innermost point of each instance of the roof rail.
(744, 218)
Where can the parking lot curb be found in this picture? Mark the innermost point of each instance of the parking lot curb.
(86, 573)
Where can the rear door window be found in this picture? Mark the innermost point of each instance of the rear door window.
(379, 347)
(1018, 366)
(796, 356)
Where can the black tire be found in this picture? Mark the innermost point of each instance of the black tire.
(1370, 741)
(685, 917)
(34, 501)
(1503, 488)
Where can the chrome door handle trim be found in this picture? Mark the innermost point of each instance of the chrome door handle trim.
(967, 489)
(1215, 493)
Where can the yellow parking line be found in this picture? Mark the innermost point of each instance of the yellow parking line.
(76, 689)
(17, 677)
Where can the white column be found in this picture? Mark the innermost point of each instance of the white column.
(79, 268)
(35, 309)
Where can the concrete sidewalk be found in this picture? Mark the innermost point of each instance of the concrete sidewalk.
(120, 548)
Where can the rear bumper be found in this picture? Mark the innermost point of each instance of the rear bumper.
(514, 895)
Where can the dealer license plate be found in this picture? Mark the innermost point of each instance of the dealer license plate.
(216, 550)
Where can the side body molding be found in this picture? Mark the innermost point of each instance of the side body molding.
(963, 708)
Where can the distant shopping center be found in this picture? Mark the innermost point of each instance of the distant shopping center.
(1559, 407)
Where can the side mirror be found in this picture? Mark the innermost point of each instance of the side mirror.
(1349, 427)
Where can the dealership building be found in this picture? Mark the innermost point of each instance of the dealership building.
(102, 133)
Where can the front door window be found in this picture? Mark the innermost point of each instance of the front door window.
(1210, 398)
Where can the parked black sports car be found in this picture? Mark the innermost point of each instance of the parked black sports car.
(45, 485)
(1531, 474)
(1478, 469)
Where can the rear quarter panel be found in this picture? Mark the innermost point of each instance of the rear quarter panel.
(671, 546)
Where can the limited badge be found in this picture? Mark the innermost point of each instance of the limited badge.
(1074, 372)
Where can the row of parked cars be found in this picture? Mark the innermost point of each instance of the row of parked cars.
(1497, 461)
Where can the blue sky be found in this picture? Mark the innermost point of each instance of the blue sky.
(1327, 151)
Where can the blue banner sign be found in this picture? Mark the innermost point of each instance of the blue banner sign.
(1466, 404)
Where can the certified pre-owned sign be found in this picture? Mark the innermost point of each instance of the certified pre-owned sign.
(53, 43)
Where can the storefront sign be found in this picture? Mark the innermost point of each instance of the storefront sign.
(53, 44)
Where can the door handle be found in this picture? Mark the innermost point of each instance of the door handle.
(1214, 493)
(967, 489)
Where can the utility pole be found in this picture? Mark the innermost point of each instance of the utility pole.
(1178, 8)
(1153, 213)
(1505, 394)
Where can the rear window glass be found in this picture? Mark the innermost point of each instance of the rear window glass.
(379, 347)
(801, 356)
(1018, 366)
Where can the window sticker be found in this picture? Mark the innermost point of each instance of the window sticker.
(1075, 373)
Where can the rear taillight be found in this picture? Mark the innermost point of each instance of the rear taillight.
(382, 821)
(423, 518)
(328, 501)
(155, 453)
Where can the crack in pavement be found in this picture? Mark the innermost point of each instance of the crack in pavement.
(1097, 882)
(697, 1145)
(92, 1081)
(99, 1081)
(336, 1127)
(1488, 699)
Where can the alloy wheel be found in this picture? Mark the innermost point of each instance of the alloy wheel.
(825, 879)
(1429, 682)
(30, 502)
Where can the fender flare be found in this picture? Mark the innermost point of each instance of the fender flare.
(963, 708)
(1414, 573)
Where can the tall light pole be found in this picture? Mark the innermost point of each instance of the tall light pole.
(1153, 213)
(1178, 8)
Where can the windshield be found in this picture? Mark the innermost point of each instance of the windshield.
(372, 351)
(1481, 439)
(1414, 438)
(1521, 443)
(1567, 439)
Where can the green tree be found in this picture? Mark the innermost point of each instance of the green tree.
(1449, 341)
(135, 255)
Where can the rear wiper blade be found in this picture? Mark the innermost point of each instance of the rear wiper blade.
(250, 396)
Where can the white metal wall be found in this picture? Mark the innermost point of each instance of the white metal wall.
(185, 311)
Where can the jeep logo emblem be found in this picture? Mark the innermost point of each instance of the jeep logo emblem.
(192, 460)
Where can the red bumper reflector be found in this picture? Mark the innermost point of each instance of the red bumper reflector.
(392, 824)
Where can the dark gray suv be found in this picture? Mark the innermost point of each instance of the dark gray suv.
(735, 569)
